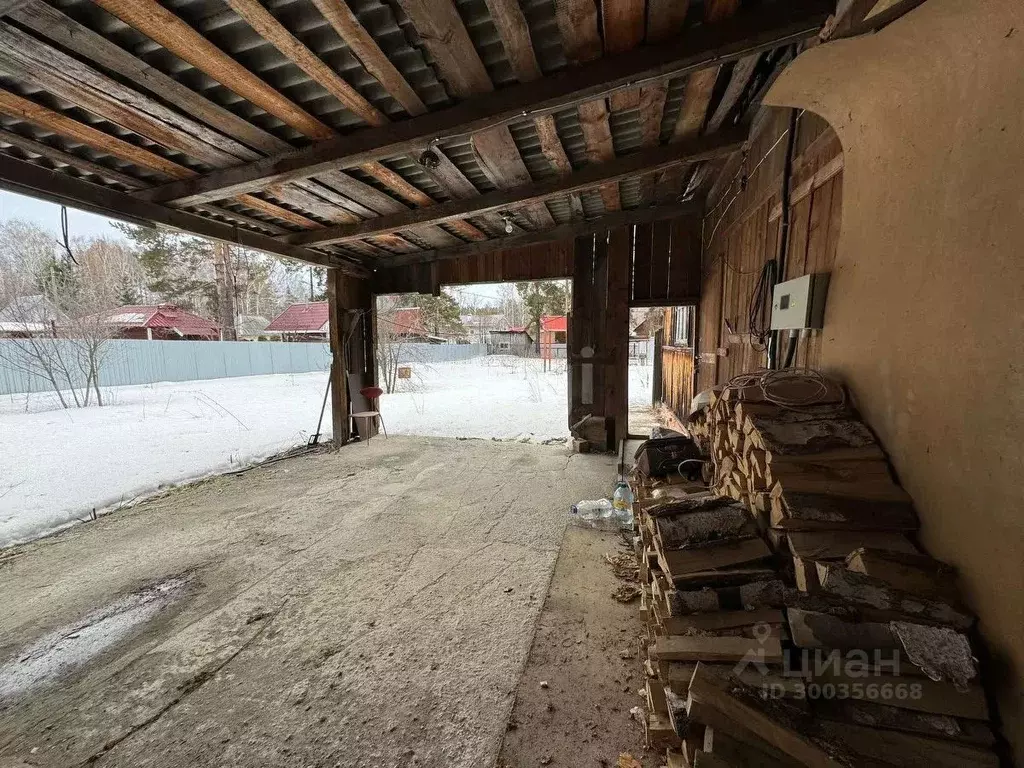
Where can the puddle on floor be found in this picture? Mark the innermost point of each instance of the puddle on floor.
(72, 646)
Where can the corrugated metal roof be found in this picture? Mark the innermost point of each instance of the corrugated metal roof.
(310, 317)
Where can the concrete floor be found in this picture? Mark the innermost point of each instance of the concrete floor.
(370, 607)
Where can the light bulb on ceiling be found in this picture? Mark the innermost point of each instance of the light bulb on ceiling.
(509, 229)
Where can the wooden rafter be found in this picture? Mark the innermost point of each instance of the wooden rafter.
(27, 178)
(161, 25)
(365, 48)
(91, 46)
(699, 86)
(515, 37)
(646, 161)
(18, 106)
(459, 65)
(748, 33)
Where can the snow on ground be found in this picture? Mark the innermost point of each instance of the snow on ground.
(57, 466)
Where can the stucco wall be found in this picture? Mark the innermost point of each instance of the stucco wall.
(925, 315)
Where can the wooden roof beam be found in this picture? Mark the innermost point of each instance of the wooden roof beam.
(560, 232)
(748, 33)
(643, 162)
(29, 179)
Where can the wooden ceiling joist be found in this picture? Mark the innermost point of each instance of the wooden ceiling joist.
(693, 51)
(646, 161)
(460, 66)
(148, 17)
(560, 232)
(30, 179)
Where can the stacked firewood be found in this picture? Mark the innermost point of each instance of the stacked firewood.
(790, 618)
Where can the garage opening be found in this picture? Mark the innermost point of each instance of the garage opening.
(476, 361)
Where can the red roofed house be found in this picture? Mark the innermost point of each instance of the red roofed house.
(160, 321)
(302, 322)
(552, 336)
(407, 323)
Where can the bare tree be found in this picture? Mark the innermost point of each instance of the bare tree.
(389, 341)
(53, 306)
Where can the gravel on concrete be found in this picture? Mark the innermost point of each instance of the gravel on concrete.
(368, 607)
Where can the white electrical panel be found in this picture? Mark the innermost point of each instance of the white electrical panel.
(800, 303)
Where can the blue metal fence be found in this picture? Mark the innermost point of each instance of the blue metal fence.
(146, 362)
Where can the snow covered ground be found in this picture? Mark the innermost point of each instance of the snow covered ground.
(57, 466)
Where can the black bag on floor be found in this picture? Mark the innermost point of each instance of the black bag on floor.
(659, 457)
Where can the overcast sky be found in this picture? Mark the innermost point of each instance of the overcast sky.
(47, 215)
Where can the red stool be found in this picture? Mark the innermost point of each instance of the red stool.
(371, 394)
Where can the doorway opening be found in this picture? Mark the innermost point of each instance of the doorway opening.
(660, 366)
(477, 361)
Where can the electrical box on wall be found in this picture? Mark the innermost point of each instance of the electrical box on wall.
(800, 303)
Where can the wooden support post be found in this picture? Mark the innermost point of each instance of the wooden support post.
(615, 343)
(337, 318)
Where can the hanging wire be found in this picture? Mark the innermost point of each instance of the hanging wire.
(64, 231)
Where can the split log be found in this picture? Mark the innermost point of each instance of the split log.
(731, 751)
(767, 593)
(810, 629)
(697, 502)
(720, 621)
(836, 545)
(681, 564)
(815, 512)
(692, 529)
(782, 437)
(733, 708)
(876, 594)
(916, 693)
(875, 715)
(905, 750)
(718, 649)
(912, 573)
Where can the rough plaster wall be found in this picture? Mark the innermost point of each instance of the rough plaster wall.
(925, 315)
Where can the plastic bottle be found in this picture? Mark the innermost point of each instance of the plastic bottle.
(623, 503)
(598, 509)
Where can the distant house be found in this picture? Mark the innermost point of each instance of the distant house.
(29, 316)
(302, 322)
(479, 327)
(514, 340)
(165, 322)
(552, 336)
(253, 328)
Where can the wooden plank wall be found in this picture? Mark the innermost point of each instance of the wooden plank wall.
(666, 262)
(742, 231)
(600, 321)
(544, 261)
(676, 369)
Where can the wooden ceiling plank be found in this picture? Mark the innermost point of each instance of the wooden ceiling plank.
(600, 149)
(460, 66)
(59, 156)
(582, 43)
(700, 85)
(510, 21)
(37, 63)
(18, 106)
(665, 19)
(532, 193)
(551, 146)
(273, 31)
(559, 232)
(270, 29)
(622, 22)
(365, 48)
(738, 80)
(695, 50)
(27, 178)
(69, 34)
(159, 24)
